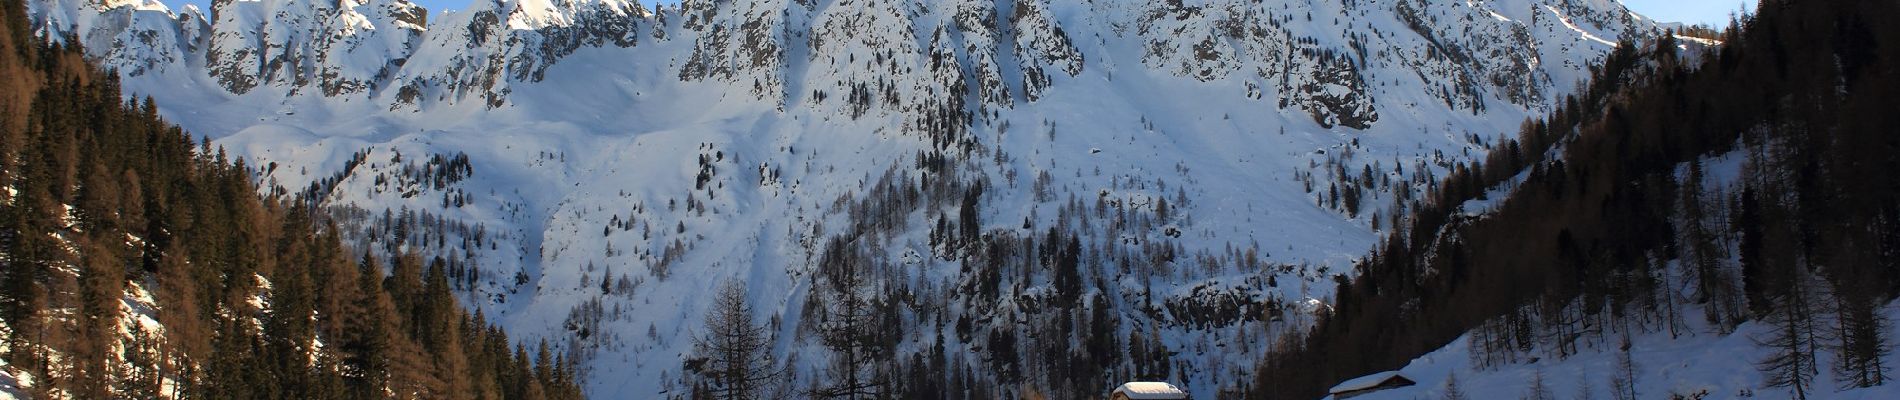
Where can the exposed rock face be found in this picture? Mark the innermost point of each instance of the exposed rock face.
(476, 54)
(1213, 42)
(336, 48)
(874, 55)
(133, 37)
(747, 42)
(1041, 46)
(975, 23)
(1335, 94)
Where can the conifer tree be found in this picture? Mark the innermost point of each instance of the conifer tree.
(736, 349)
(1623, 382)
(1715, 287)
(1791, 342)
(1537, 390)
(101, 282)
(140, 377)
(1453, 390)
(182, 314)
(849, 324)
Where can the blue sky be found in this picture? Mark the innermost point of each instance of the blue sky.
(433, 5)
(1712, 12)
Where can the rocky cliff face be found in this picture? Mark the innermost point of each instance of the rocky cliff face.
(332, 49)
(1305, 55)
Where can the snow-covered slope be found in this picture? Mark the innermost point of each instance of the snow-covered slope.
(1218, 161)
(1676, 348)
(1697, 363)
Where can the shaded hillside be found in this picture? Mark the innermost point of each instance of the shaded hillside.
(138, 264)
(1601, 200)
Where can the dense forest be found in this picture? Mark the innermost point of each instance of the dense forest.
(139, 264)
(1608, 212)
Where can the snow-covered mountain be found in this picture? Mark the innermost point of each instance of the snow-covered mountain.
(594, 168)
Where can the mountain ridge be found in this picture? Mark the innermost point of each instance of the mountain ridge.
(295, 45)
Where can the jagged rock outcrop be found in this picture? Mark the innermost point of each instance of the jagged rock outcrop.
(1041, 46)
(131, 36)
(741, 40)
(976, 26)
(479, 53)
(338, 49)
(875, 56)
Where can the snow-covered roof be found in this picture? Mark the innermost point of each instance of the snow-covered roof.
(1364, 382)
(1151, 390)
